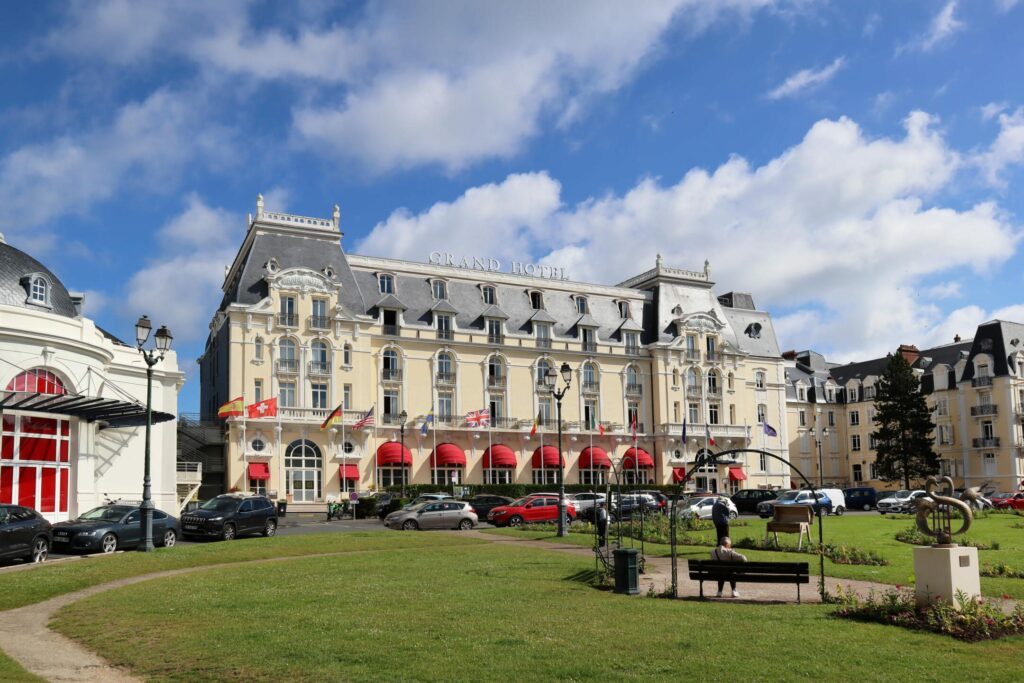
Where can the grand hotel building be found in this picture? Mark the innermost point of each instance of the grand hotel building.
(306, 322)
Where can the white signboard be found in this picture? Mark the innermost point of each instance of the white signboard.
(493, 265)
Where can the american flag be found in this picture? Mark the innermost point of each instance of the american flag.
(366, 421)
(479, 418)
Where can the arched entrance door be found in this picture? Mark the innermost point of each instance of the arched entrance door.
(303, 471)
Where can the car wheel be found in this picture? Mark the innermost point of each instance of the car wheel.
(466, 525)
(867, 508)
(170, 538)
(270, 528)
(228, 532)
(40, 549)
(108, 543)
(732, 515)
(881, 512)
(840, 510)
(410, 525)
(515, 521)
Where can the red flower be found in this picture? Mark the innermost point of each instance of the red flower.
(1006, 596)
(899, 587)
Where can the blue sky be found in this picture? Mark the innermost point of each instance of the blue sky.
(857, 166)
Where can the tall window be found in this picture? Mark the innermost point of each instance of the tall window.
(320, 358)
(444, 326)
(692, 384)
(730, 381)
(391, 368)
(873, 470)
(497, 406)
(257, 348)
(544, 411)
(589, 375)
(855, 442)
(391, 404)
(632, 341)
(488, 293)
(675, 377)
(287, 316)
(831, 418)
(693, 413)
(633, 414)
(858, 474)
(623, 309)
(347, 396)
(303, 464)
(387, 284)
(494, 331)
(319, 319)
(286, 396)
(543, 335)
(803, 418)
(536, 301)
(676, 413)
(854, 418)
(590, 414)
(445, 405)
(712, 382)
(542, 370)
(346, 354)
(987, 429)
(713, 416)
(763, 463)
(710, 341)
(581, 305)
(732, 413)
(762, 411)
(257, 390)
(495, 371)
(319, 392)
(759, 379)
(632, 377)
(287, 356)
(440, 289)
(589, 339)
(445, 368)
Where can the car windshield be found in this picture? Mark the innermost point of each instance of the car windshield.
(108, 514)
(220, 504)
(520, 502)
(789, 495)
(416, 507)
(902, 493)
(1001, 495)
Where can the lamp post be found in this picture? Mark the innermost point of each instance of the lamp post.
(152, 356)
(550, 378)
(817, 439)
(402, 417)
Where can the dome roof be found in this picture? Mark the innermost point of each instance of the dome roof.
(16, 272)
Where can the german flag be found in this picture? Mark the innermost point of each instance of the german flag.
(336, 416)
(235, 406)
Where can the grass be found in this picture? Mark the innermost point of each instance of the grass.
(12, 672)
(867, 532)
(484, 613)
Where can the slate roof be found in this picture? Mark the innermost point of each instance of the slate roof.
(14, 266)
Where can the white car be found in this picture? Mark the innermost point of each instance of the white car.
(585, 501)
(902, 501)
(700, 506)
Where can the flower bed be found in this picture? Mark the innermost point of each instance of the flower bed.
(969, 620)
(840, 554)
(1001, 569)
(913, 536)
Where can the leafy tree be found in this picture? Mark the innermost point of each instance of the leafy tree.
(904, 424)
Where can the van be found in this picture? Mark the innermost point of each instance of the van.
(838, 500)
(861, 497)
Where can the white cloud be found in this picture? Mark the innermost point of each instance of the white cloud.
(992, 110)
(943, 26)
(805, 79)
(1006, 5)
(182, 288)
(1006, 150)
(944, 290)
(964, 321)
(94, 302)
(840, 229)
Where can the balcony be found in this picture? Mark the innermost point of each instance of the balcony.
(319, 367)
(634, 389)
(591, 387)
(319, 322)
(590, 347)
(505, 422)
(693, 390)
(496, 381)
(713, 357)
(714, 392)
(391, 375)
(391, 330)
(446, 335)
(697, 431)
(692, 355)
(394, 419)
(985, 442)
(449, 420)
(287, 365)
(445, 378)
(632, 350)
(287, 320)
(543, 342)
(304, 414)
(985, 381)
(495, 339)
(988, 409)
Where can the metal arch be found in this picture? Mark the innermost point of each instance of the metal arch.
(705, 458)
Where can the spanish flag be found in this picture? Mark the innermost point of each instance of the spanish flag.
(336, 416)
(235, 406)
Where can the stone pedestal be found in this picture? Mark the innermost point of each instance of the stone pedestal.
(940, 572)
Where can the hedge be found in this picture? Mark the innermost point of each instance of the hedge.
(520, 490)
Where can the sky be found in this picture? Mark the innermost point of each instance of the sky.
(858, 167)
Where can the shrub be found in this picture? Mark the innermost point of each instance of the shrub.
(366, 508)
(913, 536)
(840, 554)
(1001, 569)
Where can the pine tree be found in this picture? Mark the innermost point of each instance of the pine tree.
(904, 424)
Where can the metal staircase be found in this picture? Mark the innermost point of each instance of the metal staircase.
(200, 450)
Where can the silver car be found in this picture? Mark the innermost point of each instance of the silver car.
(448, 514)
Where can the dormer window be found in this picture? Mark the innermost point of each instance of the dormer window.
(581, 305)
(624, 309)
(440, 290)
(537, 301)
(387, 284)
(489, 296)
(39, 290)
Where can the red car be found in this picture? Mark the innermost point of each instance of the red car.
(1013, 500)
(529, 510)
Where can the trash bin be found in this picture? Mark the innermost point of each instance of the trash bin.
(282, 508)
(627, 571)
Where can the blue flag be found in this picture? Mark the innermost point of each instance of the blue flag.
(769, 430)
(427, 420)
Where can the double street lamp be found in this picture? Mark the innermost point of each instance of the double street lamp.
(550, 379)
(402, 417)
(152, 357)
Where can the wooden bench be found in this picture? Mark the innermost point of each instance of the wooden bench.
(791, 519)
(749, 572)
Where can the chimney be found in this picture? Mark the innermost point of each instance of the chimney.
(956, 339)
(789, 355)
(909, 352)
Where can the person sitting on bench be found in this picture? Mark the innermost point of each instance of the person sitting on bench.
(725, 553)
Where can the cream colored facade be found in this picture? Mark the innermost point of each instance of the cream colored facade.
(315, 327)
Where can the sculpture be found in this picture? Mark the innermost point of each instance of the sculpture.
(938, 509)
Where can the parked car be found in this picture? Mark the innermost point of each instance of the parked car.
(383, 502)
(1011, 500)
(23, 533)
(660, 498)
(110, 527)
(630, 504)
(700, 507)
(838, 500)
(436, 514)
(902, 501)
(861, 497)
(746, 500)
(231, 515)
(529, 510)
(585, 502)
(483, 503)
(819, 502)
(428, 498)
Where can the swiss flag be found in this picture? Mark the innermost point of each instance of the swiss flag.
(267, 408)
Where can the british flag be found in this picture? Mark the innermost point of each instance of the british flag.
(479, 418)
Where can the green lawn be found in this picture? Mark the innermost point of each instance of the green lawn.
(868, 532)
(483, 613)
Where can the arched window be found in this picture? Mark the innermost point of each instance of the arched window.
(440, 289)
(37, 381)
(257, 348)
(589, 374)
(287, 356)
(39, 290)
(632, 376)
(444, 365)
(391, 367)
(320, 351)
(303, 464)
(495, 373)
(346, 354)
(542, 370)
(712, 382)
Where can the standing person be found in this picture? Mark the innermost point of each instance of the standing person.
(720, 516)
(601, 517)
(725, 553)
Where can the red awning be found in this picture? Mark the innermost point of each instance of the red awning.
(499, 456)
(350, 472)
(637, 458)
(545, 456)
(736, 474)
(678, 474)
(259, 470)
(392, 453)
(592, 457)
(447, 455)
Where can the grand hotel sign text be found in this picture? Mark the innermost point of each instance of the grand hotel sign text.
(493, 265)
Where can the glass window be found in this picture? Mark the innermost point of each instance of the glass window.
(444, 364)
(542, 370)
(440, 289)
(347, 393)
(590, 414)
(257, 350)
(494, 330)
(320, 310)
(581, 305)
(831, 418)
(303, 465)
(346, 354)
(287, 395)
(633, 414)
(632, 342)
(319, 391)
(257, 390)
(444, 325)
(536, 301)
(387, 284)
(623, 309)
(39, 290)
(589, 374)
(445, 405)
(855, 442)
(854, 418)
(488, 293)
(803, 419)
(495, 369)
(693, 413)
(713, 410)
(759, 379)
(498, 476)
(391, 403)
(286, 351)
(543, 333)
(762, 411)
(319, 352)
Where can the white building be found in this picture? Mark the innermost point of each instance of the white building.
(72, 402)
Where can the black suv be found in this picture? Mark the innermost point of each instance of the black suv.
(23, 533)
(747, 499)
(231, 515)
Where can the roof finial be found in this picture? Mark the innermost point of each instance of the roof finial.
(659, 261)
(707, 268)
(259, 205)
(336, 215)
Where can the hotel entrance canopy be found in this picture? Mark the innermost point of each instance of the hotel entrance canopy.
(111, 411)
